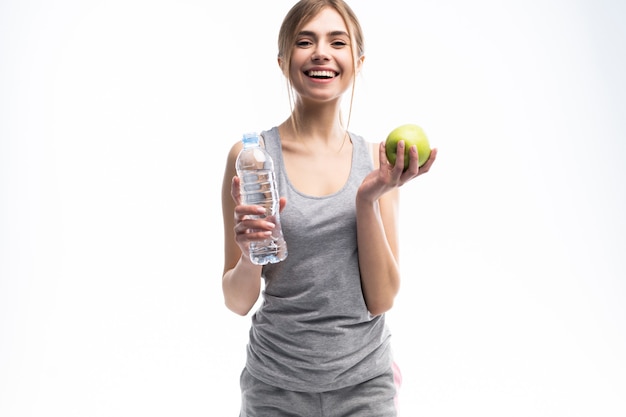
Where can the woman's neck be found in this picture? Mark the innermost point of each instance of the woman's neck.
(315, 123)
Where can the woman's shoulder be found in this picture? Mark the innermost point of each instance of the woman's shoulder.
(270, 136)
(361, 138)
(271, 132)
(366, 145)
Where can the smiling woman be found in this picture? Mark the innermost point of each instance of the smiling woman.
(111, 117)
(319, 343)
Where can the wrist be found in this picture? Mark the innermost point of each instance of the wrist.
(246, 263)
(365, 202)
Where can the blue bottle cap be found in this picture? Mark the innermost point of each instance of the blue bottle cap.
(251, 137)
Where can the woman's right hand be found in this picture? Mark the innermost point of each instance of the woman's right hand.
(247, 227)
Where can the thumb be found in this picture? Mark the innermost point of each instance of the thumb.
(235, 190)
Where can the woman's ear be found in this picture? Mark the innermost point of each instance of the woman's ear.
(359, 63)
(284, 66)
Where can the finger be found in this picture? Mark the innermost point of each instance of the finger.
(242, 211)
(414, 162)
(245, 236)
(253, 229)
(382, 155)
(400, 156)
(431, 159)
(235, 189)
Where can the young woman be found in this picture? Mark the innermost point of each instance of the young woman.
(319, 345)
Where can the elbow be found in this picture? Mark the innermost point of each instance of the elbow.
(382, 301)
(241, 313)
(237, 298)
(238, 309)
(379, 307)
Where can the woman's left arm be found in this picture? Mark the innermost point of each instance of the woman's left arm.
(377, 208)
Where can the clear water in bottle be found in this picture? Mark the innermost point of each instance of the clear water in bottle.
(255, 168)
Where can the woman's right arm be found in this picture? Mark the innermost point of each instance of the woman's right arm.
(241, 280)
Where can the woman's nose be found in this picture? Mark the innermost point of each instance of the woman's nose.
(320, 53)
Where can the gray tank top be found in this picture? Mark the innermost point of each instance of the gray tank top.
(312, 331)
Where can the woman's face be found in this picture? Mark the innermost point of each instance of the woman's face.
(322, 64)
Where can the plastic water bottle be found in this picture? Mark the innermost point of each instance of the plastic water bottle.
(255, 168)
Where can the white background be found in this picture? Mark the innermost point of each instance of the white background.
(115, 121)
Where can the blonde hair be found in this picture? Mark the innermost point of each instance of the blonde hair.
(299, 15)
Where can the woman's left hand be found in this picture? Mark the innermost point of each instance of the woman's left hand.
(388, 177)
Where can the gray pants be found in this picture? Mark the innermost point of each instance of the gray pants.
(373, 398)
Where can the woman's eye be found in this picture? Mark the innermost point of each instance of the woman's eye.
(303, 43)
(339, 44)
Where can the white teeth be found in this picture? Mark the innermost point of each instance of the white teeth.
(328, 74)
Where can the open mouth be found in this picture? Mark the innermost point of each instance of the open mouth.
(323, 75)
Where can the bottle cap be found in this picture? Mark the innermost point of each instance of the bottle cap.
(250, 137)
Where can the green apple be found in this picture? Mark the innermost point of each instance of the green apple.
(411, 134)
